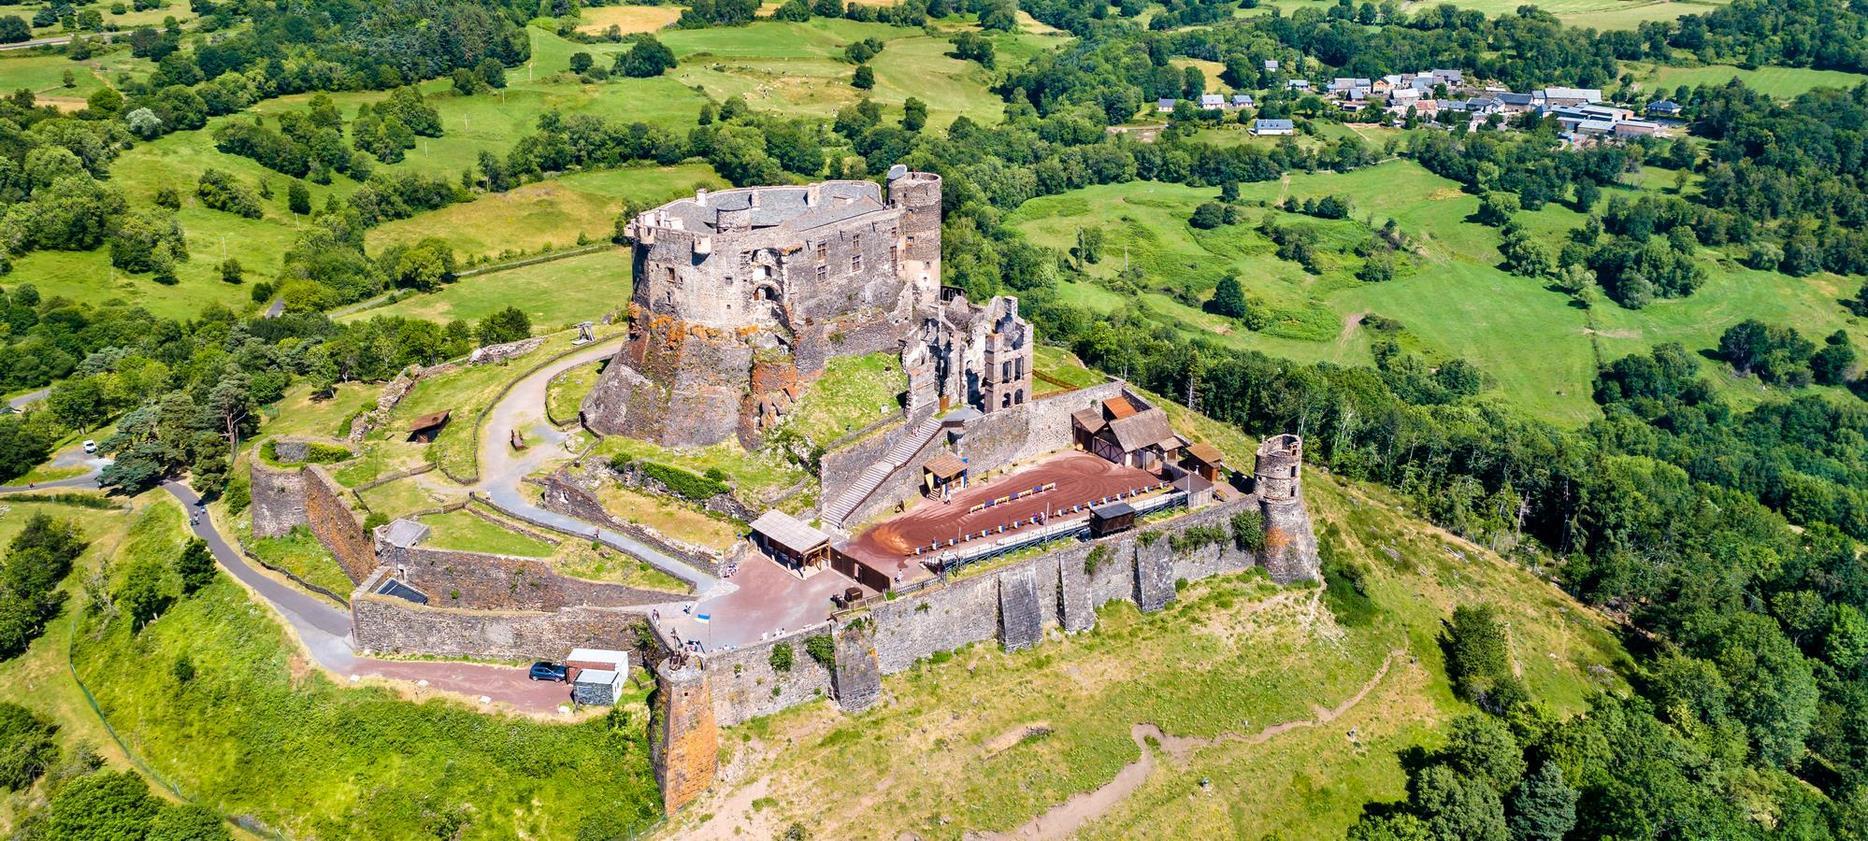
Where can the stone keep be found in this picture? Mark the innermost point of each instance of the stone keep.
(741, 294)
(1290, 542)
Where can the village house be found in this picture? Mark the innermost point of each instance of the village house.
(1266, 128)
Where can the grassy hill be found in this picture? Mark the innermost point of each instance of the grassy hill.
(1538, 347)
(985, 741)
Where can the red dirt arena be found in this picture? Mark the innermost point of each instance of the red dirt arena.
(1080, 478)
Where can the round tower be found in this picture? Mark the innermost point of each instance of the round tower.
(1280, 458)
(918, 195)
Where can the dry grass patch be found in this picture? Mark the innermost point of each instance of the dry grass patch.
(596, 20)
(668, 517)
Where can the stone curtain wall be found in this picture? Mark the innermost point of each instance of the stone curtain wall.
(685, 748)
(335, 525)
(564, 495)
(278, 499)
(1014, 605)
(745, 686)
(480, 581)
(388, 625)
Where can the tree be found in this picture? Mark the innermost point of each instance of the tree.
(141, 595)
(27, 746)
(13, 30)
(102, 806)
(914, 114)
(1831, 364)
(648, 57)
(1228, 298)
(864, 78)
(79, 402)
(1497, 207)
(221, 191)
(1478, 657)
(972, 46)
(298, 198)
(1207, 216)
(506, 325)
(580, 62)
(794, 11)
(195, 565)
(1481, 748)
(1543, 807)
(147, 240)
(1456, 808)
(232, 272)
(491, 72)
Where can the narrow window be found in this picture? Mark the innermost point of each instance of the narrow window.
(856, 263)
(823, 273)
(823, 249)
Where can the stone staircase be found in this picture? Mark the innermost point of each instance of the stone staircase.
(837, 511)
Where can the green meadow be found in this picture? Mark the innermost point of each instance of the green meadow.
(1783, 82)
(1538, 348)
(553, 294)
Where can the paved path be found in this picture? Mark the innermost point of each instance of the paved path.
(324, 630)
(27, 399)
(503, 469)
(37, 42)
(72, 456)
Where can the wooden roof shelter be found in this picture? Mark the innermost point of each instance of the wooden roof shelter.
(945, 466)
(427, 427)
(791, 540)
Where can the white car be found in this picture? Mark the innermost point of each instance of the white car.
(90, 446)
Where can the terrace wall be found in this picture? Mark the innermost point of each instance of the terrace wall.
(389, 625)
(482, 581)
(336, 525)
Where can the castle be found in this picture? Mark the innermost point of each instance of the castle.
(742, 296)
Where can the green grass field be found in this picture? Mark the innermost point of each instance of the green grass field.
(251, 730)
(554, 294)
(1785, 82)
(553, 213)
(302, 555)
(1596, 14)
(464, 531)
(1534, 344)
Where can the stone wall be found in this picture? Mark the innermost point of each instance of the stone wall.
(1021, 433)
(278, 499)
(685, 747)
(480, 581)
(385, 624)
(1014, 605)
(500, 353)
(336, 525)
(745, 686)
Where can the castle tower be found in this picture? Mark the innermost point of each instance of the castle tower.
(687, 745)
(1290, 544)
(741, 296)
(918, 196)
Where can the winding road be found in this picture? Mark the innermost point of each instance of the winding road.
(503, 469)
(324, 631)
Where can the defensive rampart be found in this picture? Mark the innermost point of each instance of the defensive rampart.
(389, 625)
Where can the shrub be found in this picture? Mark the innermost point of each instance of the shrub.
(682, 483)
(1248, 530)
(27, 746)
(781, 658)
(1097, 557)
(822, 649)
(220, 191)
(1195, 537)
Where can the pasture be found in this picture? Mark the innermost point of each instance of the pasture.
(1539, 349)
(1781, 82)
(553, 294)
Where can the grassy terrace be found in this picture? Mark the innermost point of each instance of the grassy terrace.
(853, 392)
(982, 741)
(565, 393)
(681, 522)
(1538, 348)
(464, 531)
(752, 474)
(301, 554)
(253, 731)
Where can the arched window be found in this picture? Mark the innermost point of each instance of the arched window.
(1005, 401)
(1019, 398)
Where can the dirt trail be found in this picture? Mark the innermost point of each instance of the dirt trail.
(1064, 820)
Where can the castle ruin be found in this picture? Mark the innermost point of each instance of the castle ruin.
(742, 296)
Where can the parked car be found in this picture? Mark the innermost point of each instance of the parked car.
(90, 446)
(553, 672)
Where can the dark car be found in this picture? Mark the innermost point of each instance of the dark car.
(550, 671)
